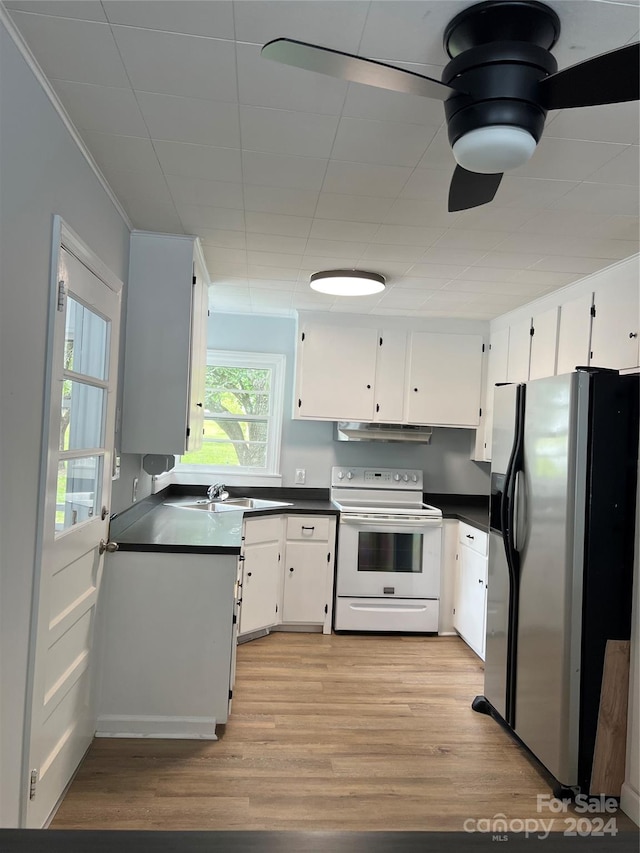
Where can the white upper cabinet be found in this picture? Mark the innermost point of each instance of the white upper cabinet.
(496, 372)
(163, 394)
(519, 351)
(445, 373)
(389, 381)
(574, 333)
(336, 373)
(615, 331)
(544, 340)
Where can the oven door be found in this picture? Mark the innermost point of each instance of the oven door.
(389, 557)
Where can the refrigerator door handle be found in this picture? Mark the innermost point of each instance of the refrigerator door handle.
(519, 512)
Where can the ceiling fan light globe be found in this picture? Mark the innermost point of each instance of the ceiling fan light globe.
(347, 282)
(494, 149)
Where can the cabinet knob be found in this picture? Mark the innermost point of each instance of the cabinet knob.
(290, 569)
(368, 386)
(248, 574)
(415, 389)
(480, 580)
(200, 405)
(633, 334)
(109, 547)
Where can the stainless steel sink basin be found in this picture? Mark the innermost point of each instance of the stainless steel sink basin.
(254, 503)
(229, 505)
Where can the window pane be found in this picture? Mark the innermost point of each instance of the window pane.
(86, 341)
(79, 485)
(237, 390)
(82, 416)
(231, 442)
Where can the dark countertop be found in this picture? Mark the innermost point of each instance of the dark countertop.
(157, 524)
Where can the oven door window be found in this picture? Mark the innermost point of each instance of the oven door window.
(399, 553)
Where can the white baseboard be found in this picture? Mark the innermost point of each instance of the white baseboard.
(112, 725)
(630, 802)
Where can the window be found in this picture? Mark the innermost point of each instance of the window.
(242, 414)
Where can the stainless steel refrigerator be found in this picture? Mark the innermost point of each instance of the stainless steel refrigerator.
(561, 549)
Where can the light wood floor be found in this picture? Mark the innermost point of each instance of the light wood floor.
(326, 732)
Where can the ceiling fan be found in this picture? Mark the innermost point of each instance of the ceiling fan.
(501, 81)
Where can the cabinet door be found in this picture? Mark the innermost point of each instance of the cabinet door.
(444, 379)
(574, 334)
(259, 586)
(390, 386)
(469, 619)
(336, 373)
(197, 373)
(544, 343)
(496, 372)
(616, 324)
(519, 351)
(305, 582)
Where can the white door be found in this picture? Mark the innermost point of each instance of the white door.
(74, 517)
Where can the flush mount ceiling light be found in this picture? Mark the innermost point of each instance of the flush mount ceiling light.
(347, 282)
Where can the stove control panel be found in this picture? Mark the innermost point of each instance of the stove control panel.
(377, 478)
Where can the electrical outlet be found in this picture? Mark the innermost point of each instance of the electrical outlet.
(300, 476)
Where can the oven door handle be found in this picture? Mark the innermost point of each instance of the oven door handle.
(398, 521)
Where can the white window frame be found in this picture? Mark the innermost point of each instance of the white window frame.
(270, 474)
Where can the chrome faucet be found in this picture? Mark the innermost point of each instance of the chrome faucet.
(217, 492)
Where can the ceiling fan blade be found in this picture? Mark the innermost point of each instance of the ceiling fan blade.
(471, 189)
(355, 69)
(609, 78)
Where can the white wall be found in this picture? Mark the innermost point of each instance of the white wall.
(42, 173)
(310, 444)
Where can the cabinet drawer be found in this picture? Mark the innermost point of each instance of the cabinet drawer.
(311, 527)
(472, 537)
(262, 529)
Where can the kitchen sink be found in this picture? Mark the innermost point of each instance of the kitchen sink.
(229, 505)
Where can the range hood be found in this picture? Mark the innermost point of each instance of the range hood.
(351, 431)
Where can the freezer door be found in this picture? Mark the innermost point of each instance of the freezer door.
(495, 665)
(548, 660)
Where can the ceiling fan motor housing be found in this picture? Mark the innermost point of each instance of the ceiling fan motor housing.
(500, 52)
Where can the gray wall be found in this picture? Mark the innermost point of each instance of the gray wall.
(42, 173)
(310, 445)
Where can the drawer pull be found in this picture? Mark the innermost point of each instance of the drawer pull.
(469, 536)
(307, 528)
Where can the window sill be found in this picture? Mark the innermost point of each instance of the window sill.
(206, 478)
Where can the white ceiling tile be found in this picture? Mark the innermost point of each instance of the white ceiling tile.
(190, 120)
(175, 64)
(604, 27)
(385, 142)
(560, 244)
(326, 262)
(601, 198)
(334, 248)
(430, 185)
(272, 273)
(550, 279)
(128, 153)
(220, 272)
(408, 235)
(606, 123)
(327, 229)
(275, 223)
(199, 161)
(382, 252)
(438, 155)
(265, 83)
(426, 284)
(448, 298)
(223, 239)
(336, 24)
(439, 271)
(397, 29)
(460, 238)
(312, 301)
(220, 258)
(364, 178)
(492, 217)
(620, 228)
(272, 284)
(284, 200)
(85, 10)
(142, 186)
(274, 259)
(584, 266)
(415, 212)
(352, 207)
(392, 270)
(70, 49)
(209, 193)
(530, 193)
(509, 260)
(102, 108)
(287, 132)
(435, 255)
(149, 215)
(570, 222)
(467, 286)
(402, 299)
(175, 16)
(195, 217)
(567, 159)
(372, 103)
(274, 243)
(492, 274)
(623, 169)
(275, 170)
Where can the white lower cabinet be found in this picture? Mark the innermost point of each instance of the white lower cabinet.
(307, 587)
(470, 593)
(166, 637)
(261, 570)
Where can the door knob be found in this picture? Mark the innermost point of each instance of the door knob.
(107, 546)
